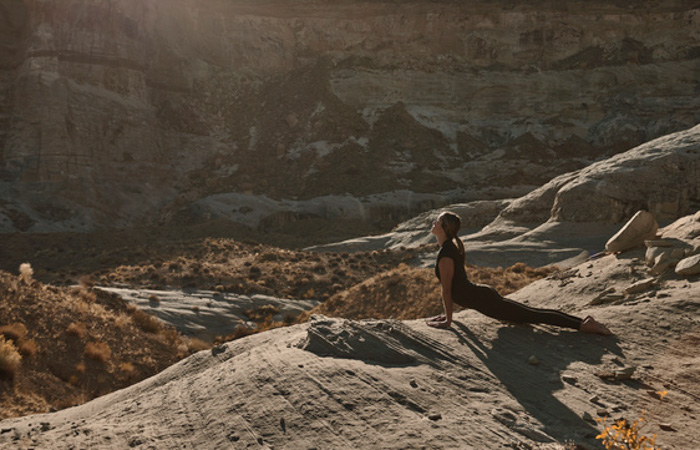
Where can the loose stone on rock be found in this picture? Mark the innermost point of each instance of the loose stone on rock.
(689, 266)
(434, 416)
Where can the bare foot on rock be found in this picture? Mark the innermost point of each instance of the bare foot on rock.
(590, 325)
(438, 318)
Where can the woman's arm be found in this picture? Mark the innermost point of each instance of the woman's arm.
(447, 268)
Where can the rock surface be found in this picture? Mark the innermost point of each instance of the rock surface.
(129, 112)
(209, 314)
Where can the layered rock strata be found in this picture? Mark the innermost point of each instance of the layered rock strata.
(128, 112)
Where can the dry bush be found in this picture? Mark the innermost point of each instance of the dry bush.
(262, 313)
(85, 294)
(86, 282)
(9, 358)
(146, 322)
(26, 272)
(195, 345)
(121, 320)
(76, 329)
(80, 367)
(127, 368)
(98, 351)
(154, 298)
(14, 331)
(28, 347)
(240, 332)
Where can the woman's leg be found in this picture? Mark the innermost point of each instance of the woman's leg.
(487, 301)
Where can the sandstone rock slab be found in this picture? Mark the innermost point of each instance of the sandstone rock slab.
(640, 227)
(689, 266)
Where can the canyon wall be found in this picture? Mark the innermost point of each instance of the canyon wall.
(127, 112)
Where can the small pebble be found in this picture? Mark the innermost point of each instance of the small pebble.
(434, 416)
(533, 360)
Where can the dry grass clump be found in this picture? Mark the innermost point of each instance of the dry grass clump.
(9, 359)
(195, 345)
(76, 329)
(14, 332)
(98, 351)
(28, 347)
(143, 320)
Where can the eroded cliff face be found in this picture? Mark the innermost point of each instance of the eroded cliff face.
(128, 112)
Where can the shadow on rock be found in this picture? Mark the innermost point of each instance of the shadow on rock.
(533, 386)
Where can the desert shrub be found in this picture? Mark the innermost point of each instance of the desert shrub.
(623, 435)
(154, 298)
(26, 272)
(195, 345)
(9, 358)
(14, 331)
(86, 282)
(170, 334)
(76, 329)
(146, 322)
(626, 436)
(28, 347)
(85, 294)
(98, 351)
(262, 313)
(240, 332)
(127, 368)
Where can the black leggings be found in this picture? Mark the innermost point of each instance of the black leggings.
(487, 301)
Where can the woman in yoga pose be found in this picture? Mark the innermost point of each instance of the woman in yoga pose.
(456, 288)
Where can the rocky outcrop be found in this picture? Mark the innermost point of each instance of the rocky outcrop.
(661, 176)
(113, 114)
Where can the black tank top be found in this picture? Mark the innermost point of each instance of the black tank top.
(460, 282)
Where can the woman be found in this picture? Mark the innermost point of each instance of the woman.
(456, 288)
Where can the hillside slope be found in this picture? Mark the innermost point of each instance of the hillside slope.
(334, 383)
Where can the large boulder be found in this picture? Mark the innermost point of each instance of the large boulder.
(640, 227)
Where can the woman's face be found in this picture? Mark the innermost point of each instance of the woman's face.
(437, 226)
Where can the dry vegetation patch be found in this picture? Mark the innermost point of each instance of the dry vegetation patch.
(64, 346)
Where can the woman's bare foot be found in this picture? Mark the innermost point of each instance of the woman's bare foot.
(443, 324)
(438, 318)
(590, 325)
